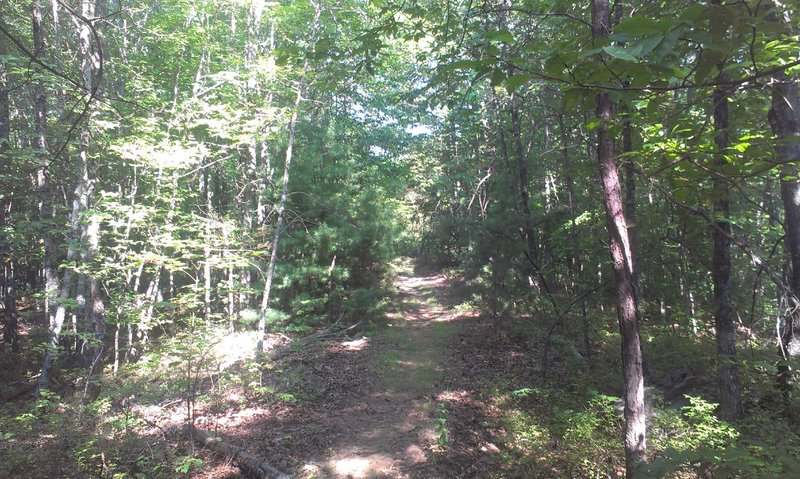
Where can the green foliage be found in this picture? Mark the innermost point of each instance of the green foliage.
(187, 463)
(415, 122)
(440, 429)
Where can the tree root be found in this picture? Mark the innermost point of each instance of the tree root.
(251, 465)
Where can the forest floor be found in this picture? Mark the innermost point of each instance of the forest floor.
(427, 389)
(424, 390)
(401, 402)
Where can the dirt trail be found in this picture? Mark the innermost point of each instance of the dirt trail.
(393, 434)
(403, 403)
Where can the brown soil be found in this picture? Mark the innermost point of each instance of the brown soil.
(411, 399)
(401, 404)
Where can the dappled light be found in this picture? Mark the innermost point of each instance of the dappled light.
(399, 239)
(361, 468)
(356, 344)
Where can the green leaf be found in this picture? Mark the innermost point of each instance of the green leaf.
(589, 53)
(681, 195)
(621, 53)
(648, 44)
(639, 74)
(517, 81)
(707, 62)
(741, 147)
(502, 35)
(637, 26)
(498, 77)
(459, 65)
(572, 97)
(668, 43)
(554, 66)
(691, 13)
(593, 124)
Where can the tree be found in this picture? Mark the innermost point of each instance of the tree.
(784, 120)
(724, 320)
(619, 245)
(82, 233)
(7, 279)
(300, 91)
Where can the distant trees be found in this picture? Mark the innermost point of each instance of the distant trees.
(139, 157)
(677, 94)
(256, 164)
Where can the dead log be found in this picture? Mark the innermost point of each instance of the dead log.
(28, 387)
(251, 465)
(331, 330)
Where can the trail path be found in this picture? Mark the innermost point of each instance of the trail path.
(396, 405)
(394, 430)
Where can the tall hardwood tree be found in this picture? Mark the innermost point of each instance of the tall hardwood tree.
(619, 244)
(724, 316)
(82, 233)
(7, 276)
(43, 180)
(784, 120)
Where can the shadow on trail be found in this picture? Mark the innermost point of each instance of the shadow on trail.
(396, 405)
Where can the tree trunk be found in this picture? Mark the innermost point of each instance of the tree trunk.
(91, 321)
(205, 190)
(90, 67)
(7, 277)
(50, 262)
(524, 195)
(630, 195)
(634, 413)
(784, 119)
(285, 188)
(724, 316)
(93, 350)
(251, 465)
(79, 201)
(150, 297)
(7, 288)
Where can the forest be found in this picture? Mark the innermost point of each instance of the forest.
(399, 239)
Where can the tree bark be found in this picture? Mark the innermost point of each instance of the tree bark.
(784, 119)
(724, 316)
(90, 64)
(634, 412)
(50, 263)
(630, 195)
(7, 288)
(91, 320)
(524, 194)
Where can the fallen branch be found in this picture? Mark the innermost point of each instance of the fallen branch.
(331, 330)
(251, 465)
(26, 388)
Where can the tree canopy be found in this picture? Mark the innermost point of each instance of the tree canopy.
(590, 177)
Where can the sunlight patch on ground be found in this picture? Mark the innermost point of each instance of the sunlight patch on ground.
(310, 470)
(415, 454)
(453, 396)
(356, 467)
(230, 348)
(408, 364)
(352, 466)
(232, 419)
(356, 344)
(416, 282)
